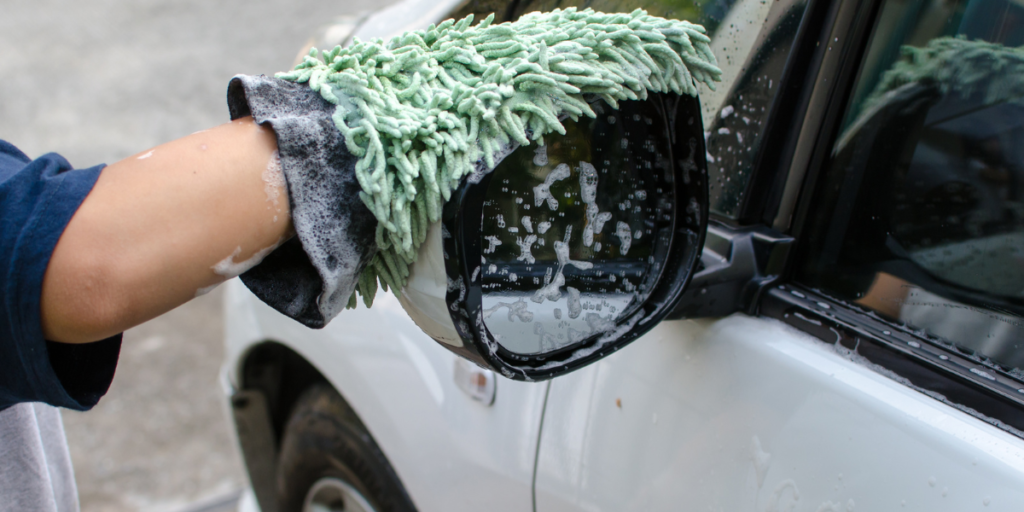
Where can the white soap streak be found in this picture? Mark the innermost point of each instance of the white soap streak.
(542, 192)
(588, 193)
(550, 290)
(543, 227)
(146, 155)
(574, 302)
(229, 268)
(494, 243)
(562, 253)
(547, 340)
(599, 324)
(206, 289)
(540, 156)
(761, 459)
(625, 237)
(526, 253)
(273, 181)
(517, 309)
(694, 209)
(527, 223)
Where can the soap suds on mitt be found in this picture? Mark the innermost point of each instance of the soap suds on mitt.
(427, 108)
(274, 183)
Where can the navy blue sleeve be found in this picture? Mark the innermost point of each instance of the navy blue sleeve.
(37, 200)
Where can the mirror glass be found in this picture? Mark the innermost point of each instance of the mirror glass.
(575, 233)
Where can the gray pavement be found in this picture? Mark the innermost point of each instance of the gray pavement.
(98, 81)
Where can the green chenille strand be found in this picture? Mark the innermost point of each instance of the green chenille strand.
(960, 67)
(421, 110)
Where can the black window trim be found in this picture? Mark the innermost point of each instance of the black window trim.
(942, 373)
(843, 47)
(982, 389)
(744, 257)
(787, 116)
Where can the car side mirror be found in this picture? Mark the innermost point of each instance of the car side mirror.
(565, 253)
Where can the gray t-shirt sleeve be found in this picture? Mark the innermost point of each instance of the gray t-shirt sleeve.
(35, 465)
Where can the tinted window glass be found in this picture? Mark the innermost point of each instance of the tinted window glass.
(751, 40)
(921, 214)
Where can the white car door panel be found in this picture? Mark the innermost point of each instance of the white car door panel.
(451, 452)
(749, 414)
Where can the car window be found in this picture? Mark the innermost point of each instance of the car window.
(920, 215)
(751, 40)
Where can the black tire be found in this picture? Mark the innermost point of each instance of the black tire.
(325, 439)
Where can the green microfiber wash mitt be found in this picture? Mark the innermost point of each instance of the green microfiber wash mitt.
(423, 110)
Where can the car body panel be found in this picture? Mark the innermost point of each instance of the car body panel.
(451, 452)
(750, 414)
(737, 413)
(402, 17)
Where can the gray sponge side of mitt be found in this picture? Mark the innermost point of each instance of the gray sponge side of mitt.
(311, 277)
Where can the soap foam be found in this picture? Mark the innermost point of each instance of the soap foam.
(542, 192)
(273, 181)
(146, 155)
(540, 156)
(588, 193)
(625, 237)
(517, 309)
(229, 268)
(526, 253)
(527, 223)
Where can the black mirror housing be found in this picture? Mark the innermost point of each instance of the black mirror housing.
(668, 156)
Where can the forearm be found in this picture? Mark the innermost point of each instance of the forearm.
(162, 225)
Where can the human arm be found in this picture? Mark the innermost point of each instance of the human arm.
(151, 232)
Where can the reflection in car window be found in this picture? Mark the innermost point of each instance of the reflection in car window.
(922, 216)
(751, 40)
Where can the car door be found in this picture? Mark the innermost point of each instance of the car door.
(871, 255)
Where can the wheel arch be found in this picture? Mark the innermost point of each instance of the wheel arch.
(271, 378)
(281, 374)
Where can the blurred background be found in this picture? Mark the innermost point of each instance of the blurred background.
(96, 82)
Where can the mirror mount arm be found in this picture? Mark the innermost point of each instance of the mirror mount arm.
(737, 265)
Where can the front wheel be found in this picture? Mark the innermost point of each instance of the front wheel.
(329, 461)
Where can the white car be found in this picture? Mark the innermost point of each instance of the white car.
(850, 337)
